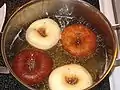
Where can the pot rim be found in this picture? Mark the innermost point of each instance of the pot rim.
(86, 5)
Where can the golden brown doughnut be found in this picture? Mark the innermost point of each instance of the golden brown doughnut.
(78, 40)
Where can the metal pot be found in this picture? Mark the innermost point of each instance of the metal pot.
(13, 38)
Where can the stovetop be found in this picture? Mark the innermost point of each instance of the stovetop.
(8, 82)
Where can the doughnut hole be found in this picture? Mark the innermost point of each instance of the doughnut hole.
(72, 80)
(42, 32)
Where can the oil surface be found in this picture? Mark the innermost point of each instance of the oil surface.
(95, 63)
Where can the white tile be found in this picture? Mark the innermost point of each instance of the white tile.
(2, 15)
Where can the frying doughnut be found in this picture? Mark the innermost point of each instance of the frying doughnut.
(78, 40)
(70, 77)
(32, 66)
(43, 33)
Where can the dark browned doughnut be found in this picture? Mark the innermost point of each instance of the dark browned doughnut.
(32, 66)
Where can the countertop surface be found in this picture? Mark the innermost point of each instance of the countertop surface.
(8, 82)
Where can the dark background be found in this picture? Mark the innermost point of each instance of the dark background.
(8, 82)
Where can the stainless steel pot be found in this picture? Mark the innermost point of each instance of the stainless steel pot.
(13, 33)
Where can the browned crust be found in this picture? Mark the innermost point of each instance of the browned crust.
(78, 40)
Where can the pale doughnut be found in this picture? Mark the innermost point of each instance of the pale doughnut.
(70, 77)
(51, 30)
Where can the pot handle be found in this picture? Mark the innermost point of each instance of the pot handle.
(117, 63)
(116, 27)
(3, 69)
